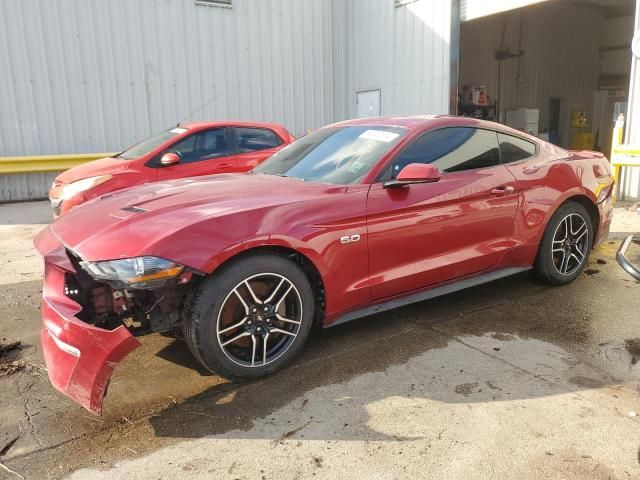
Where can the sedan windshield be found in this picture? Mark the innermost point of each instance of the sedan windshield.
(338, 155)
(150, 144)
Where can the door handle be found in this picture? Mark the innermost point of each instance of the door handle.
(502, 191)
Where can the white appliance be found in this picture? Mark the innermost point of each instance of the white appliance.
(525, 119)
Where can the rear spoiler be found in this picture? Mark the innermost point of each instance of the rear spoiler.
(587, 154)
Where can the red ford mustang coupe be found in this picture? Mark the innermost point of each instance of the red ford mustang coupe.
(355, 218)
(188, 150)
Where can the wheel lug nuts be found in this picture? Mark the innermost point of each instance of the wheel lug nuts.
(258, 329)
(249, 322)
(268, 320)
(254, 310)
(266, 309)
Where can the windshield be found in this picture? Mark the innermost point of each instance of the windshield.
(150, 144)
(339, 155)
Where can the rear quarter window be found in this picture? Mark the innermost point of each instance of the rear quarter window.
(514, 149)
(255, 139)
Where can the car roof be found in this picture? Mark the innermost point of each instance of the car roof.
(422, 121)
(223, 123)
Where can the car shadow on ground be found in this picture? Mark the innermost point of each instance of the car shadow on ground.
(507, 341)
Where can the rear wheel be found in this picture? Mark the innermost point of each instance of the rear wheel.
(251, 318)
(565, 245)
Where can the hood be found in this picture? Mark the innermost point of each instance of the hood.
(131, 222)
(102, 166)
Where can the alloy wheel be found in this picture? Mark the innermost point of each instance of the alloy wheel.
(259, 320)
(570, 244)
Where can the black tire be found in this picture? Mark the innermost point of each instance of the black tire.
(549, 266)
(203, 313)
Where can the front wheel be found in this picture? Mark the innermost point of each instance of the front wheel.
(251, 318)
(565, 245)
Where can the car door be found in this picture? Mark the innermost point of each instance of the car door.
(424, 234)
(254, 145)
(203, 153)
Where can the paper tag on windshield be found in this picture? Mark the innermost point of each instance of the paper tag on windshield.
(379, 135)
(178, 130)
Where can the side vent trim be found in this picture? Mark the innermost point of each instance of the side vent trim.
(135, 209)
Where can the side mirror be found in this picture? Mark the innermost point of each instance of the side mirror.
(169, 159)
(415, 173)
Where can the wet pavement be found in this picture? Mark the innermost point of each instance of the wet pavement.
(513, 379)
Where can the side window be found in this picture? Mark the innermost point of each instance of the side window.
(206, 145)
(451, 149)
(514, 149)
(253, 139)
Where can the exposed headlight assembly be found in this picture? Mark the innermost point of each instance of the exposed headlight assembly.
(72, 189)
(136, 273)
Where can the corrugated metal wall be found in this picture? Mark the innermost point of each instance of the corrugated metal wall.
(25, 186)
(82, 76)
(630, 181)
(617, 32)
(561, 58)
(94, 75)
(403, 51)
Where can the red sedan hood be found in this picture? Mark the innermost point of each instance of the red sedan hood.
(103, 166)
(131, 222)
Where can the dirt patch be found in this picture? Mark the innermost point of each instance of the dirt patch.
(9, 351)
(633, 347)
(465, 389)
(503, 337)
(9, 363)
(8, 369)
(586, 382)
(591, 271)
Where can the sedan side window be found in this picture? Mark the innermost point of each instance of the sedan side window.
(451, 149)
(201, 146)
(514, 149)
(254, 139)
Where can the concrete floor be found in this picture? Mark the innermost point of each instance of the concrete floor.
(512, 379)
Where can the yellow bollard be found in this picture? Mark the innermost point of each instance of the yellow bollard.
(618, 138)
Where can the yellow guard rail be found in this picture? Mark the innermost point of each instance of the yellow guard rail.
(622, 155)
(46, 163)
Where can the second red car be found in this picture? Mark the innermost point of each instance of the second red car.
(188, 150)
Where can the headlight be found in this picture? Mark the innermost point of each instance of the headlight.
(72, 189)
(139, 272)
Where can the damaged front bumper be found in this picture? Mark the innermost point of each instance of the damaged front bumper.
(80, 357)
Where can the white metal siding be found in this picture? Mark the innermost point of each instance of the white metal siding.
(403, 51)
(615, 59)
(28, 186)
(630, 181)
(94, 75)
(83, 76)
(558, 61)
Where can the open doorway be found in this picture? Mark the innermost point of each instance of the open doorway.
(558, 69)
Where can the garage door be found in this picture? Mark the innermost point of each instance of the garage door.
(470, 9)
